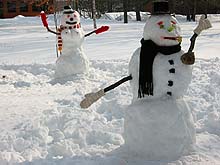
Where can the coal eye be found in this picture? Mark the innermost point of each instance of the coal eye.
(161, 24)
(68, 16)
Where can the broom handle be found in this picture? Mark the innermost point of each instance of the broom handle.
(91, 98)
(117, 83)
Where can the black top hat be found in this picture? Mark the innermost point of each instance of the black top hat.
(68, 10)
(160, 7)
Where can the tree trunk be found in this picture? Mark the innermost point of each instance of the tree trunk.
(194, 10)
(76, 5)
(187, 10)
(138, 16)
(94, 14)
(109, 5)
(137, 10)
(206, 8)
(188, 18)
(172, 6)
(125, 6)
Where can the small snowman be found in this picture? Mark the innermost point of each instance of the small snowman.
(158, 125)
(70, 37)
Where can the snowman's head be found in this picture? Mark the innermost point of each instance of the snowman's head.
(70, 17)
(164, 30)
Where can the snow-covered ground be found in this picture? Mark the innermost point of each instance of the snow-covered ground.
(41, 121)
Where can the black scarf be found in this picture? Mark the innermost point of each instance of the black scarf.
(148, 52)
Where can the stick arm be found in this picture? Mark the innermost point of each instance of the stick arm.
(51, 31)
(97, 31)
(88, 34)
(188, 58)
(91, 98)
(192, 42)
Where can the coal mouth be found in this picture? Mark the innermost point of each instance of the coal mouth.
(71, 23)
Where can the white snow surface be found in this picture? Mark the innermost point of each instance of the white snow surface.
(41, 120)
(158, 129)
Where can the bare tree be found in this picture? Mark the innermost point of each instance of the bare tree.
(194, 10)
(125, 6)
(110, 4)
(137, 9)
(94, 14)
(76, 5)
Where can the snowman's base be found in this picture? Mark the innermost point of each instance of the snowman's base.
(158, 129)
(71, 63)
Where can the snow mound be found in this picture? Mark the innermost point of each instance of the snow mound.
(165, 132)
(61, 129)
(204, 95)
(60, 132)
(119, 16)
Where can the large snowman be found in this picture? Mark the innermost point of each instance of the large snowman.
(70, 36)
(158, 124)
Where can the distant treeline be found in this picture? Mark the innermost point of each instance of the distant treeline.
(185, 7)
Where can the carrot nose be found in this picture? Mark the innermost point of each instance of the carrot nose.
(170, 29)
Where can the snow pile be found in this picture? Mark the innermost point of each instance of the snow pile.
(62, 132)
(207, 109)
(65, 131)
(163, 133)
(212, 122)
(119, 16)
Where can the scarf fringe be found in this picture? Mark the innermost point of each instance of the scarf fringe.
(146, 89)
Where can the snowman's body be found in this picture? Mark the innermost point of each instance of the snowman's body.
(160, 126)
(170, 75)
(73, 59)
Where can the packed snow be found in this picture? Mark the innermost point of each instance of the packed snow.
(41, 120)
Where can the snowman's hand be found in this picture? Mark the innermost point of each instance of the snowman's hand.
(44, 18)
(188, 58)
(204, 24)
(90, 98)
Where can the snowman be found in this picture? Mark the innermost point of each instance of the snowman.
(70, 36)
(158, 125)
